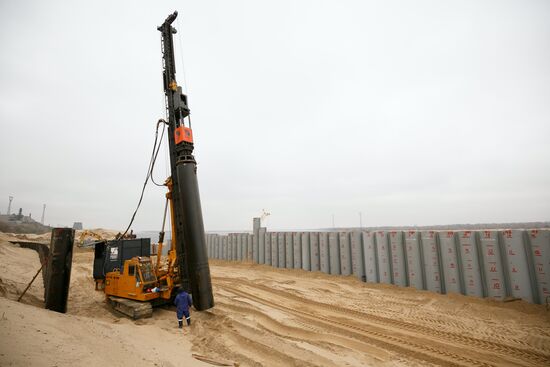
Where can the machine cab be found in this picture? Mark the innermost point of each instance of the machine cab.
(136, 280)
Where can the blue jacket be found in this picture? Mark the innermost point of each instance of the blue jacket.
(183, 301)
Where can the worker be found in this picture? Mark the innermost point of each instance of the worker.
(183, 301)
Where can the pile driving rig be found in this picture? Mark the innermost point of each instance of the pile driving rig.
(141, 283)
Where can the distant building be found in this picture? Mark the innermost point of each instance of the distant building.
(17, 218)
(77, 225)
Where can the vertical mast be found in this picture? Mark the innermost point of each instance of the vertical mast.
(190, 237)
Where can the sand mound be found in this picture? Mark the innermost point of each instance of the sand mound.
(88, 335)
(17, 268)
(107, 234)
(37, 337)
(271, 317)
(44, 238)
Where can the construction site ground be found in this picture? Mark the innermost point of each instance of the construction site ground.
(266, 317)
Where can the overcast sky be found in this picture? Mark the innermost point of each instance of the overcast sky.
(410, 112)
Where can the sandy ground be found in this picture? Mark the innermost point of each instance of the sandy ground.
(88, 335)
(270, 317)
(107, 234)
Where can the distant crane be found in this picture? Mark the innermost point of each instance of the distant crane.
(9, 205)
(264, 215)
(43, 212)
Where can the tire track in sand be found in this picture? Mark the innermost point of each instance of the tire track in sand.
(376, 308)
(521, 355)
(388, 319)
(313, 335)
(378, 338)
(471, 341)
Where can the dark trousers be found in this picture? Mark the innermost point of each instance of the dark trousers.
(183, 314)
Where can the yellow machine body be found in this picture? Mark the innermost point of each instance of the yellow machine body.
(136, 280)
(142, 279)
